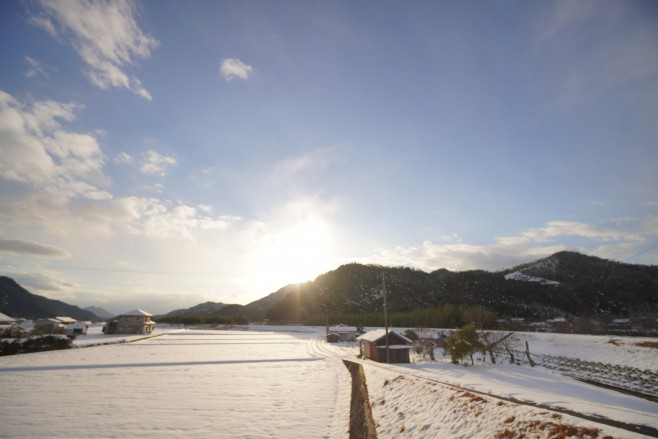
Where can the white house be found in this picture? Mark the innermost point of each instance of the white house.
(136, 321)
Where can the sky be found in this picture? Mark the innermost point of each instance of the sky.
(160, 154)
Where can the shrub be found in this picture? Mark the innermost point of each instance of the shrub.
(463, 343)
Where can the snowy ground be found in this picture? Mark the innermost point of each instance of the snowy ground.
(287, 382)
(414, 401)
(228, 384)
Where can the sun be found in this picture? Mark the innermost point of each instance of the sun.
(297, 253)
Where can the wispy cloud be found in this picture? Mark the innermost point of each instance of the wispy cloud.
(509, 251)
(35, 68)
(615, 57)
(106, 36)
(231, 68)
(123, 158)
(157, 164)
(313, 160)
(31, 248)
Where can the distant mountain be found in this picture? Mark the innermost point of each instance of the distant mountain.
(17, 302)
(100, 312)
(207, 308)
(254, 311)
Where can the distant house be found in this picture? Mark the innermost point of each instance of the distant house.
(133, 322)
(342, 333)
(372, 345)
(77, 328)
(54, 325)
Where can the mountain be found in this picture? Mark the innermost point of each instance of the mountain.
(17, 302)
(254, 311)
(564, 284)
(207, 308)
(100, 312)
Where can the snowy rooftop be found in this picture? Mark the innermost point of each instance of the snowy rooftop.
(137, 312)
(66, 319)
(376, 334)
(5, 318)
(342, 329)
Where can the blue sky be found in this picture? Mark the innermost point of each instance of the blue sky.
(159, 154)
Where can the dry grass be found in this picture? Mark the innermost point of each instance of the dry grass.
(473, 398)
(614, 342)
(648, 344)
(548, 429)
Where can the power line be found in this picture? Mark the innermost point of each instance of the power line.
(641, 253)
(118, 270)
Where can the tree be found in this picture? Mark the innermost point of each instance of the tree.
(493, 343)
(463, 343)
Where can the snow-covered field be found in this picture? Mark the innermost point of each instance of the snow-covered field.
(227, 384)
(288, 383)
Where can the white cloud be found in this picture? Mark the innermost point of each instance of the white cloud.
(105, 34)
(157, 164)
(509, 251)
(38, 151)
(31, 248)
(234, 68)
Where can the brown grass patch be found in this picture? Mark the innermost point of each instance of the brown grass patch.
(648, 344)
(473, 398)
(614, 342)
(550, 429)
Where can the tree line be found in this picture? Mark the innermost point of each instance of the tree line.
(446, 316)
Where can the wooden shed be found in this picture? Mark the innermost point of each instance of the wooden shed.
(344, 333)
(372, 345)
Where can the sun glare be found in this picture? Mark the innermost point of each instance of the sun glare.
(296, 254)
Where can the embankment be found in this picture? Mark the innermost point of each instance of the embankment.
(362, 425)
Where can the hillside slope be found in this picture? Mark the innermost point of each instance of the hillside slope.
(565, 283)
(20, 303)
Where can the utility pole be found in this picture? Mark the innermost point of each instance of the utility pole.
(388, 358)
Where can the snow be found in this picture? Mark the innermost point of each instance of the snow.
(517, 275)
(407, 407)
(419, 400)
(4, 318)
(137, 312)
(376, 334)
(233, 384)
(276, 382)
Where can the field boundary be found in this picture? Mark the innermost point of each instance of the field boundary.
(362, 424)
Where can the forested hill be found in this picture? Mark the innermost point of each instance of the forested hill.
(565, 283)
(16, 301)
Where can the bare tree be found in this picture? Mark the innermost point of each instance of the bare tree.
(492, 343)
